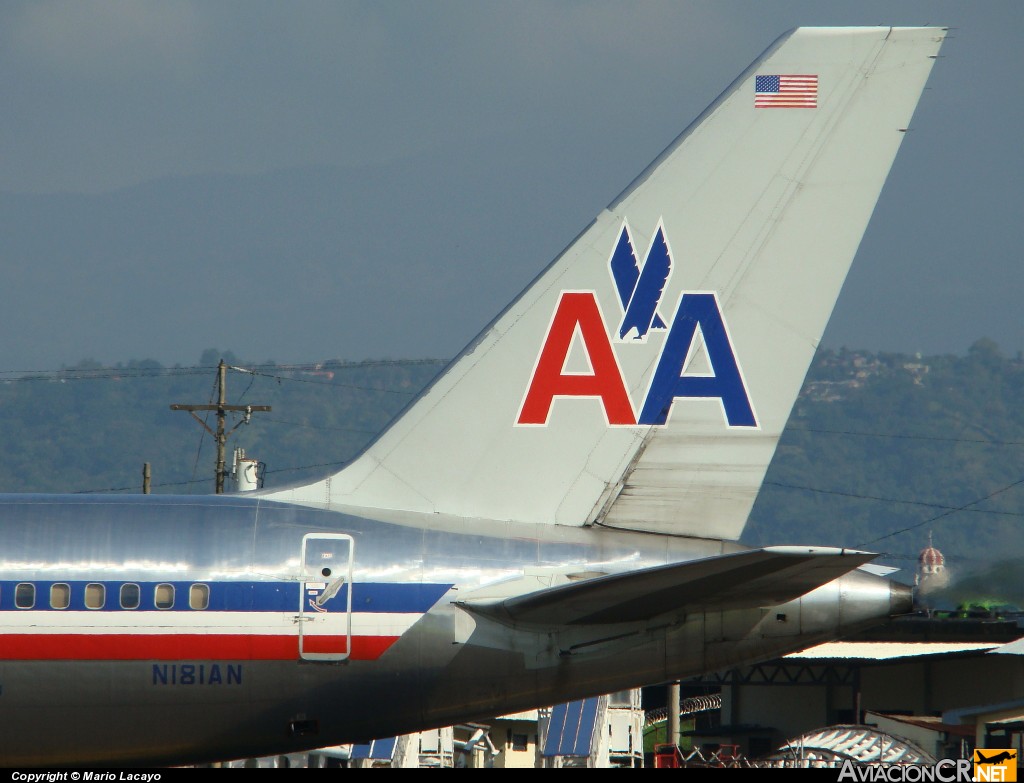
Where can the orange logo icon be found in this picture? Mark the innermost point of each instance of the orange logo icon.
(995, 764)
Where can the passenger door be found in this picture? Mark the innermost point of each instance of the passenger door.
(325, 600)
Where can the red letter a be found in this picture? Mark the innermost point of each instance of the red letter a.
(549, 379)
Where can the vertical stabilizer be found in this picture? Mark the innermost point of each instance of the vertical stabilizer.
(643, 379)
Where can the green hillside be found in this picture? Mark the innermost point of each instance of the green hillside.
(885, 442)
(90, 428)
(877, 442)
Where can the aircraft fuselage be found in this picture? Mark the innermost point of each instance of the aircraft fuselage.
(185, 629)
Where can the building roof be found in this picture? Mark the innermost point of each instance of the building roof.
(1014, 710)
(1013, 648)
(930, 722)
(883, 651)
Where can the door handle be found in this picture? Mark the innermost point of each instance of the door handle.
(331, 590)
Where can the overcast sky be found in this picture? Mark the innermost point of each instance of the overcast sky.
(541, 110)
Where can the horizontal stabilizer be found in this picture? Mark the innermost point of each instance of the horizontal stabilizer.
(763, 577)
(878, 570)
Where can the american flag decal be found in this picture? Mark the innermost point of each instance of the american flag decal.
(786, 91)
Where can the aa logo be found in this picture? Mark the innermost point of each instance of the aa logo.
(640, 288)
(995, 764)
(697, 327)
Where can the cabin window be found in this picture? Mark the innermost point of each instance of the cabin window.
(129, 596)
(95, 595)
(25, 595)
(60, 596)
(164, 596)
(199, 597)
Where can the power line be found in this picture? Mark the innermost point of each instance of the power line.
(357, 387)
(60, 376)
(103, 373)
(900, 501)
(203, 481)
(202, 435)
(310, 467)
(965, 507)
(274, 372)
(107, 373)
(135, 488)
(899, 436)
(317, 426)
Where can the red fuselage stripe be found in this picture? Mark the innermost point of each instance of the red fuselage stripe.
(182, 647)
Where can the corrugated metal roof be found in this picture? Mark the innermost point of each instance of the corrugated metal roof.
(859, 743)
(881, 651)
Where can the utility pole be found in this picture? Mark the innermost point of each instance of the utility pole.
(222, 408)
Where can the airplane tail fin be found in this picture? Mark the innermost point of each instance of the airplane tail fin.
(643, 379)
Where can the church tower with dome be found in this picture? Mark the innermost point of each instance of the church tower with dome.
(931, 569)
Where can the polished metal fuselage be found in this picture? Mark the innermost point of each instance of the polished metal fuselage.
(448, 666)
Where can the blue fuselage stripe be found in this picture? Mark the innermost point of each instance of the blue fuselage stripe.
(233, 596)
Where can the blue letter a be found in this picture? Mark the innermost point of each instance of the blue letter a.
(725, 383)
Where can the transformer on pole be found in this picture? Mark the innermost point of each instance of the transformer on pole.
(222, 408)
